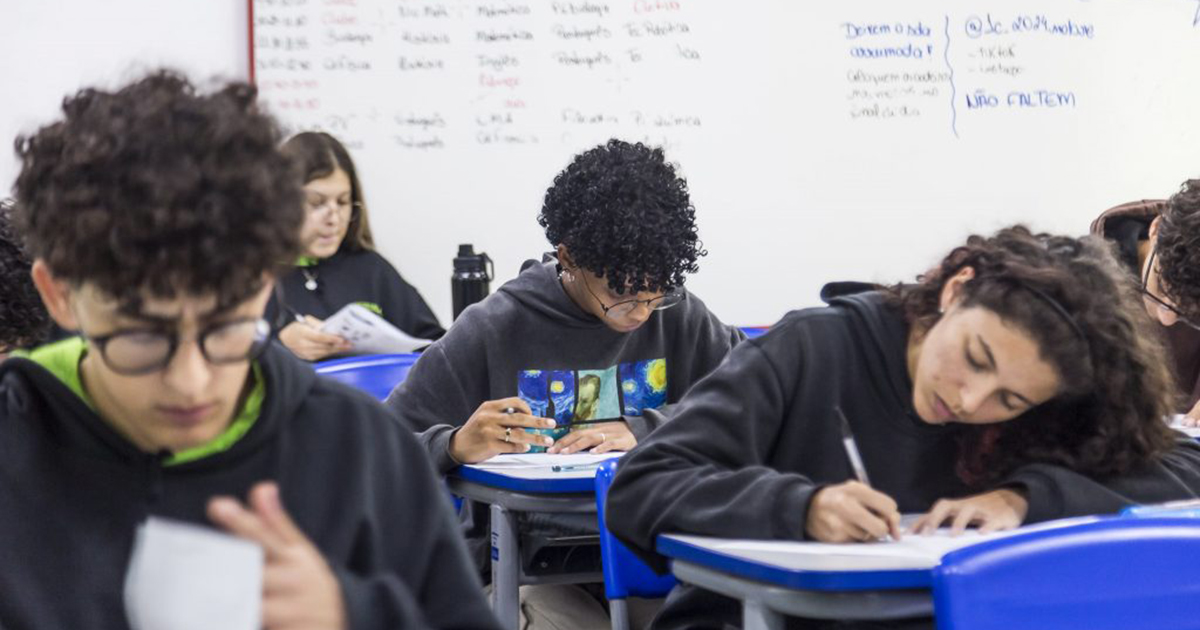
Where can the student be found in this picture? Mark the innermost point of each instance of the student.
(23, 320)
(997, 391)
(340, 265)
(602, 329)
(1159, 241)
(156, 217)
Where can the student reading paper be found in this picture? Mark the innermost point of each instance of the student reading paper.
(1014, 383)
(157, 217)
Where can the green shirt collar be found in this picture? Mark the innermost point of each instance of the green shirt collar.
(62, 359)
(307, 261)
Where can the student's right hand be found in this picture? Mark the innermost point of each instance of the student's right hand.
(306, 340)
(851, 512)
(483, 436)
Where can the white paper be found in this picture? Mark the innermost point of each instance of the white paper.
(1176, 422)
(187, 577)
(546, 460)
(910, 552)
(370, 333)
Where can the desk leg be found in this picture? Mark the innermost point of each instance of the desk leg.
(506, 560)
(756, 616)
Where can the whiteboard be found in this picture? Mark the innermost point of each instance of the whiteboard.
(857, 139)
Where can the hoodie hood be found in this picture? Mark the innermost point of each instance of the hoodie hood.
(28, 388)
(538, 289)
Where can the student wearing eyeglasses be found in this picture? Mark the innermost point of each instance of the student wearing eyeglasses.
(1159, 241)
(340, 265)
(602, 329)
(157, 217)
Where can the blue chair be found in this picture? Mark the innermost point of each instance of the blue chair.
(375, 374)
(1109, 574)
(625, 575)
(755, 331)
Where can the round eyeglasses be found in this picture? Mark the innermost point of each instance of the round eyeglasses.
(625, 307)
(1158, 301)
(134, 352)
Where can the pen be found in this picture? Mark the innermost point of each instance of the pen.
(851, 447)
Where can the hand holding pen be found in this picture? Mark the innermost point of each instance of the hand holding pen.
(851, 511)
(498, 426)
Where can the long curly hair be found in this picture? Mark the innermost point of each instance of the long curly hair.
(156, 189)
(318, 154)
(23, 319)
(1117, 390)
(624, 214)
(1178, 247)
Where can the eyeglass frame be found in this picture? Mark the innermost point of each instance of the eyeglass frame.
(257, 346)
(634, 302)
(354, 206)
(1145, 290)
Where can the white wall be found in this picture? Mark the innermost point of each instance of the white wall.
(51, 48)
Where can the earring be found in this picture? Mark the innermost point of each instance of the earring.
(567, 275)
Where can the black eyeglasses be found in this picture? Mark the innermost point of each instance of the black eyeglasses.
(134, 352)
(625, 307)
(1163, 304)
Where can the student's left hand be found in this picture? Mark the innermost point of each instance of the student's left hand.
(300, 591)
(990, 511)
(601, 438)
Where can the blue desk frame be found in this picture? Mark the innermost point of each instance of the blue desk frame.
(769, 592)
(507, 496)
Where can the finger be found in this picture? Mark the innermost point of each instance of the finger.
(587, 439)
(521, 420)
(515, 403)
(566, 441)
(989, 525)
(881, 504)
(963, 519)
(313, 321)
(264, 498)
(1190, 421)
(934, 519)
(858, 515)
(229, 514)
(514, 435)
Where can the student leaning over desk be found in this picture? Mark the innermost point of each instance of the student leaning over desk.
(157, 217)
(1014, 383)
(340, 265)
(603, 329)
(1159, 242)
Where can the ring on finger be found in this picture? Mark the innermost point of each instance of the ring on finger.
(508, 434)
(601, 437)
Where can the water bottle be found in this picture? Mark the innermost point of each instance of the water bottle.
(472, 275)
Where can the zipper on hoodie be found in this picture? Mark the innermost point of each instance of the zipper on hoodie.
(154, 476)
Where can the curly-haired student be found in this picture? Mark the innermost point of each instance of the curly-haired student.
(340, 265)
(1014, 383)
(157, 217)
(602, 328)
(23, 319)
(1159, 242)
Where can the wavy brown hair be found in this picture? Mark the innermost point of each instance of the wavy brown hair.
(1116, 390)
(1178, 247)
(318, 154)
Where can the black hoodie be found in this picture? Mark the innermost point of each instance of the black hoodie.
(73, 491)
(531, 339)
(362, 277)
(751, 444)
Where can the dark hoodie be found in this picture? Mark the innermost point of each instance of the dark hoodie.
(351, 476)
(751, 444)
(530, 339)
(1127, 226)
(362, 277)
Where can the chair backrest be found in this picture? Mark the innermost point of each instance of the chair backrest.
(1104, 575)
(755, 331)
(625, 575)
(375, 374)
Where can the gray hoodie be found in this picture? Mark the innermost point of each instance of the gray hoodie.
(529, 339)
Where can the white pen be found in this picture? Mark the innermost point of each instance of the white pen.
(851, 447)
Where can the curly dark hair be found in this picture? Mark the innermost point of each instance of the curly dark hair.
(318, 154)
(1178, 248)
(156, 189)
(23, 320)
(1116, 387)
(624, 214)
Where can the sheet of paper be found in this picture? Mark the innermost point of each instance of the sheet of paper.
(545, 460)
(1177, 424)
(186, 577)
(370, 333)
(910, 552)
